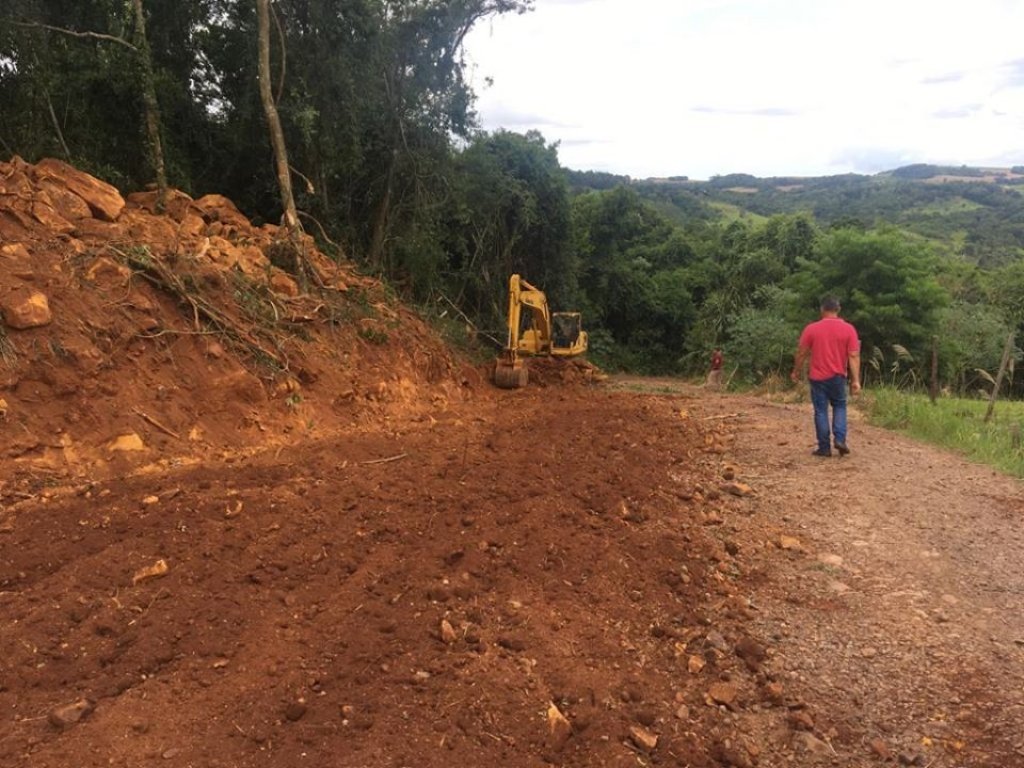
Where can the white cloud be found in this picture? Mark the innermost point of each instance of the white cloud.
(704, 87)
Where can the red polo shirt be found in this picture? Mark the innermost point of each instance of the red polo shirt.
(830, 341)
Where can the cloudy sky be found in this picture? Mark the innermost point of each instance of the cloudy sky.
(770, 87)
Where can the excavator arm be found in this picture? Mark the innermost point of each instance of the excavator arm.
(524, 297)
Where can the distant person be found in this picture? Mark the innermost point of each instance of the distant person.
(834, 349)
(715, 374)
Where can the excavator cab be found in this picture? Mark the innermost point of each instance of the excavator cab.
(558, 334)
(566, 328)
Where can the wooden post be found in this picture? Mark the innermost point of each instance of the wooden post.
(999, 376)
(933, 387)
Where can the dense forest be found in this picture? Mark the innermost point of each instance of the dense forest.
(389, 169)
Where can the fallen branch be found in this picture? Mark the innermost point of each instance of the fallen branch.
(157, 424)
(470, 323)
(158, 274)
(722, 416)
(385, 461)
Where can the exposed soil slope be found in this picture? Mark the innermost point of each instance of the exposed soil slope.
(131, 338)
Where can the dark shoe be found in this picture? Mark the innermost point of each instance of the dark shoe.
(842, 448)
(820, 452)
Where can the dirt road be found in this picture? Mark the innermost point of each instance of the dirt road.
(897, 615)
(569, 576)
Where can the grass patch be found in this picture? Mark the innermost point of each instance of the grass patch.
(732, 212)
(956, 424)
(374, 336)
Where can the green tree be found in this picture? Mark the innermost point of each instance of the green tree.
(761, 338)
(634, 279)
(71, 77)
(971, 339)
(886, 283)
(1006, 291)
(510, 213)
(107, 85)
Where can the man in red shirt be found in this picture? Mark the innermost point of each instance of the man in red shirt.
(715, 375)
(833, 347)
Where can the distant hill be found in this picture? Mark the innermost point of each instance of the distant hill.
(973, 213)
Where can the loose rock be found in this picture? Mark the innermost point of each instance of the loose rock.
(880, 749)
(159, 568)
(27, 310)
(448, 635)
(69, 714)
(643, 738)
(752, 652)
(775, 692)
(737, 488)
(559, 728)
(723, 693)
(811, 744)
(790, 543)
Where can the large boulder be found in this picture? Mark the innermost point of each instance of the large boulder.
(50, 218)
(65, 202)
(220, 208)
(176, 203)
(103, 200)
(14, 180)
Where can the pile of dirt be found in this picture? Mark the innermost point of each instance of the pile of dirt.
(132, 337)
(562, 371)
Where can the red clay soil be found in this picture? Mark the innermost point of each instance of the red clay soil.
(187, 335)
(349, 550)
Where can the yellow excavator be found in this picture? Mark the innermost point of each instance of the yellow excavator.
(556, 334)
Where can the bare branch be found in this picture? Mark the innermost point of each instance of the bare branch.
(284, 55)
(56, 125)
(73, 33)
(310, 189)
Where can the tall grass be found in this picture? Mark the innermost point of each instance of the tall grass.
(956, 424)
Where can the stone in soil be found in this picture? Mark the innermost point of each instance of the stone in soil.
(70, 714)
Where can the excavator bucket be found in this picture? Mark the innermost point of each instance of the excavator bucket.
(510, 375)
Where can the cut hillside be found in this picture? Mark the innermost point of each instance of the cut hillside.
(132, 338)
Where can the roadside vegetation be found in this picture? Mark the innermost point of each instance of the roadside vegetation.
(955, 423)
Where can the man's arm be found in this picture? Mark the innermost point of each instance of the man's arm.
(798, 363)
(855, 371)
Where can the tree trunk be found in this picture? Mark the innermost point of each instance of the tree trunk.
(156, 147)
(933, 386)
(284, 181)
(380, 221)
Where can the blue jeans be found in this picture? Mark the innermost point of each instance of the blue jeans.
(823, 394)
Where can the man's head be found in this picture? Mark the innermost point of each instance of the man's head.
(830, 305)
